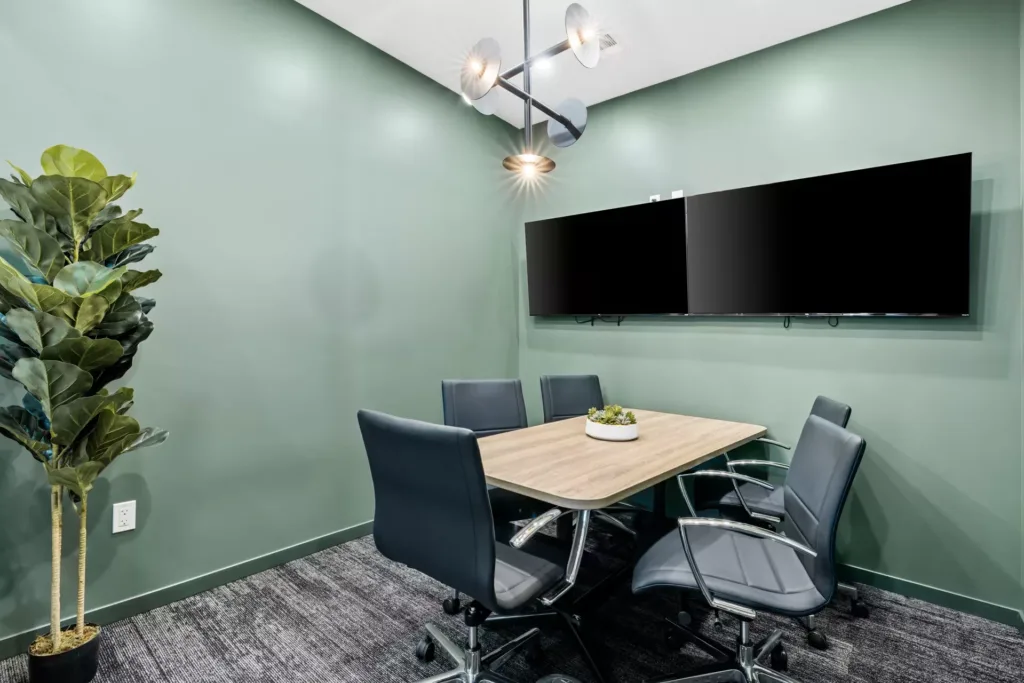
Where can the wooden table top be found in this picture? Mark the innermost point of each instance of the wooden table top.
(559, 464)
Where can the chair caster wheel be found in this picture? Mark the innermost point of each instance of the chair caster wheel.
(817, 640)
(860, 610)
(684, 618)
(452, 606)
(425, 650)
(780, 658)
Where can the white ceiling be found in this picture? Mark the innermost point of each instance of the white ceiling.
(658, 39)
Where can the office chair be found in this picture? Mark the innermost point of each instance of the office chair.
(487, 407)
(738, 568)
(433, 515)
(766, 506)
(568, 396)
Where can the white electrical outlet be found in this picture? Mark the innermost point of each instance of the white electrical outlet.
(124, 516)
(655, 198)
(677, 194)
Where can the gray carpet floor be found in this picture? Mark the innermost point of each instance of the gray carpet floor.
(347, 614)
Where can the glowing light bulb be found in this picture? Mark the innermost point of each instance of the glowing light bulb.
(477, 66)
(589, 33)
(529, 170)
(531, 159)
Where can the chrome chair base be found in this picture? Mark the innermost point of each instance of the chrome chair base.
(745, 665)
(471, 665)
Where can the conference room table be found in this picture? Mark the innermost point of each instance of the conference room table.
(559, 464)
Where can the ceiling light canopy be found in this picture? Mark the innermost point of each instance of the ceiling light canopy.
(482, 76)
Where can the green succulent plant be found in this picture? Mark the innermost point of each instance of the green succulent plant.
(70, 324)
(612, 415)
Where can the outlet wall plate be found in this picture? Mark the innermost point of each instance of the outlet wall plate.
(677, 194)
(124, 516)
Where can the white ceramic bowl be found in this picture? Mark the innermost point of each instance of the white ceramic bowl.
(612, 432)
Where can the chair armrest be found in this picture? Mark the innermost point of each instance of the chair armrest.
(734, 476)
(538, 523)
(756, 463)
(772, 442)
(749, 529)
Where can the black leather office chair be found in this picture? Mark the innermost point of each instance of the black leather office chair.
(738, 568)
(433, 514)
(487, 407)
(566, 396)
(765, 505)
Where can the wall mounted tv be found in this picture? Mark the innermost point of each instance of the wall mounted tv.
(892, 240)
(626, 261)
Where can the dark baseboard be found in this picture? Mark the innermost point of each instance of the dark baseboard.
(936, 596)
(18, 643)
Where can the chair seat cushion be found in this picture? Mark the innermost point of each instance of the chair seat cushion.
(758, 573)
(508, 506)
(758, 499)
(520, 577)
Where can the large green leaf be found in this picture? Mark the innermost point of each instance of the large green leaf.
(86, 278)
(20, 425)
(134, 279)
(123, 316)
(116, 236)
(20, 199)
(35, 246)
(91, 312)
(88, 354)
(25, 177)
(53, 382)
(117, 185)
(74, 416)
(39, 330)
(78, 479)
(110, 437)
(74, 202)
(71, 161)
(131, 255)
(11, 354)
(150, 436)
(110, 212)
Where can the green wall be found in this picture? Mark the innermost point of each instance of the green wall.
(336, 234)
(938, 498)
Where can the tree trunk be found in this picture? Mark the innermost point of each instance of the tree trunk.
(80, 621)
(55, 537)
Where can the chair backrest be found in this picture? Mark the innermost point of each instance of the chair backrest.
(484, 406)
(821, 472)
(835, 412)
(566, 396)
(432, 510)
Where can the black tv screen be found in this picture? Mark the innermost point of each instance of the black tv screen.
(625, 261)
(893, 240)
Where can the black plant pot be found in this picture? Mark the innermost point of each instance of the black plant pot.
(73, 666)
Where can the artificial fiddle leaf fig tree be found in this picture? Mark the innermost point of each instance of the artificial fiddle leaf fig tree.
(70, 324)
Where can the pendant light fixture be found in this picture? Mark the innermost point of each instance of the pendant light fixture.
(482, 76)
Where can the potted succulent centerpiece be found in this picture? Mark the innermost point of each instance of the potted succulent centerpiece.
(70, 324)
(612, 423)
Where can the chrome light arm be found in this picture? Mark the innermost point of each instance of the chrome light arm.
(749, 529)
(735, 477)
(538, 523)
(772, 442)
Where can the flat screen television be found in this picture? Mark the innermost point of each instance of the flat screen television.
(625, 261)
(892, 240)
